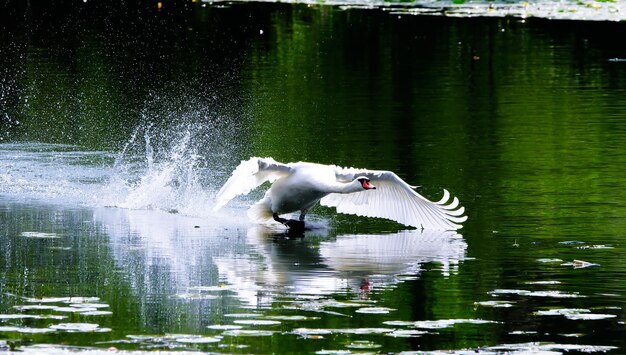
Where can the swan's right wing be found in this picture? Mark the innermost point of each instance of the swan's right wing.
(396, 200)
(249, 175)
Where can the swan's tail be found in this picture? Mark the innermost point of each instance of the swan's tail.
(260, 211)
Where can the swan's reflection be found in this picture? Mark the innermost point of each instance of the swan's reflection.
(168, 255)
(324, 264)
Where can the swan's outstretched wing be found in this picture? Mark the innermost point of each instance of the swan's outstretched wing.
(396, 200)
(249, 175)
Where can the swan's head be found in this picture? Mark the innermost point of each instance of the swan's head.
(365, 183)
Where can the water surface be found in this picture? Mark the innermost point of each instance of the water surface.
(118, 128)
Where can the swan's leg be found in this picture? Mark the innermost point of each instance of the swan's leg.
(279, 219)
(302, 214)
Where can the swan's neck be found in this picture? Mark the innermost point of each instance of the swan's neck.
(349, 187)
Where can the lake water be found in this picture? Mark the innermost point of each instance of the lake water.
(118, 123)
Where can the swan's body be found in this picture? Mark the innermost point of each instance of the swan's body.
(299, 186)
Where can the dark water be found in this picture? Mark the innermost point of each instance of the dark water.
(119, 123)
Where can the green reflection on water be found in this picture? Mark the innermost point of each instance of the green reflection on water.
(523, 121)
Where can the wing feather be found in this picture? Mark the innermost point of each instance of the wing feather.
(247, 176)
(396, 200)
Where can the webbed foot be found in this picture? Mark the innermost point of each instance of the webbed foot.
(292, 224)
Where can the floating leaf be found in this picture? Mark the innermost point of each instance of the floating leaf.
(363, 344)
(248, 333)
(38, 307)
(74, 309)
(79, 327)
(523, 332)
(494, 304)
(445, 323)
(363, 330)
(399, 323)
(242, 315)
(256, 322)
(198, 340)
(209, 288)
(543, 282)
(310, 331)
(96, 313)
(374, 310)
(574, 314)
(25, 330)
(196, 296)
(406, 333)
(548, 260)
(224, 327)
(40, 235)
(89, 305)
(292, 318)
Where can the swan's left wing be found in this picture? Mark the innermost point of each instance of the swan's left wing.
(396, 200)
(247, 176)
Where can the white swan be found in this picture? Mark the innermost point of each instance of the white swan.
(299, 186)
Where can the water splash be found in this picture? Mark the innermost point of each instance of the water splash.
(169, 176)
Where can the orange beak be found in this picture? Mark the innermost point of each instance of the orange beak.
(368, 186)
